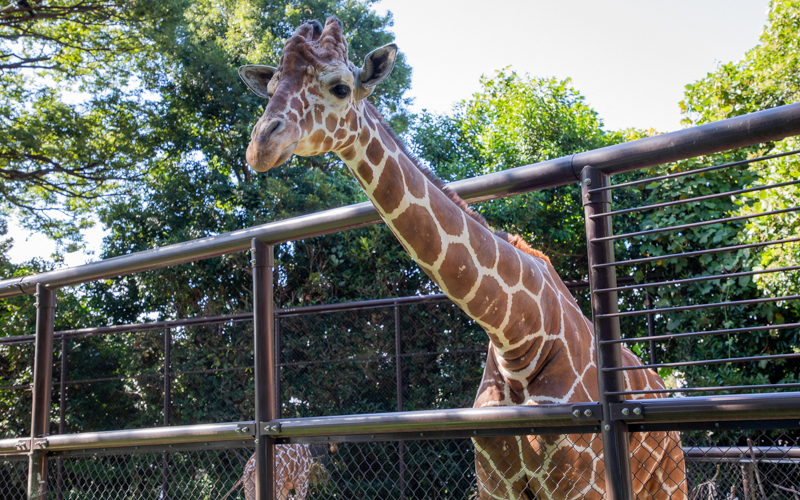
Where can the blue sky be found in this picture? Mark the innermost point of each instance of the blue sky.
(630, 59)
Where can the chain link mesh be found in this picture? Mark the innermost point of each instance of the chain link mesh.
(207, 474)
(743, 464)
(13, 479)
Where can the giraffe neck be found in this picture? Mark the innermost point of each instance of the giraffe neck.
(514, 296)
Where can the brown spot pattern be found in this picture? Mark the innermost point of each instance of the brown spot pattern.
(415, 224)
(526, 318)
(490, 302)
(390, 190)
(458, 272)
(448, 215)
(414, 178)
(387, 139)
(550, 304)
(297, 105)
(327, 143)
(352, 119)
(508, 263)
(363, 138)
(365, 171)
(532, 282)
(482, 241)
(375, 151)
(317, 138)
(349, 153)
(331, 122)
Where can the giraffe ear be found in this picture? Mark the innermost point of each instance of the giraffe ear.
(257, 77)
(377, 66)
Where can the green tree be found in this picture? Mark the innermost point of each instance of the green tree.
(71, 114)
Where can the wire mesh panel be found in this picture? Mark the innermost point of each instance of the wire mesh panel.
(114, 381)
(444, 352)
(347, 362)
(207, 474)
(16, 377)
(338, 363)
(212, 373)
(13, 479)
(743, 464)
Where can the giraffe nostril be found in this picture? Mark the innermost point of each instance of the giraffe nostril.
(271, 129)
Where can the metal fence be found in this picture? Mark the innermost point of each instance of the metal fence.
(735, 445)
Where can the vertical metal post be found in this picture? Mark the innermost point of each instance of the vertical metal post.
(42, 389)
(266, 401)
(276, 322)
(398, 350)
(167, 404)
(62, 415)
(616, 439)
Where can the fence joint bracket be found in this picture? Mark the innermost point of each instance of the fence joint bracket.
(587, 412)
(629, 410)
(270, 428)
(246, 429)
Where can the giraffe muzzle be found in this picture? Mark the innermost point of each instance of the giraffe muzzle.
(270, 145)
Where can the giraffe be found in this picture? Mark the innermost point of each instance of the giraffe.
(292, 469)
(541, 347)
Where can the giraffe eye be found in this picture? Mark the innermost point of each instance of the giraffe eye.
(341, 91)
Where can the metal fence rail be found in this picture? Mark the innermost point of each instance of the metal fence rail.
(564, 427)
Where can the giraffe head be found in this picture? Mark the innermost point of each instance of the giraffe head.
(313, 95)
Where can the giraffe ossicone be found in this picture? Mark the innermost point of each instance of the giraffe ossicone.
(542, 348)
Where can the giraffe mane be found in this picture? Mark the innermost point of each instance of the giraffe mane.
(513, 239)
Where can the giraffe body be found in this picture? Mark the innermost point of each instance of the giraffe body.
(542, 348)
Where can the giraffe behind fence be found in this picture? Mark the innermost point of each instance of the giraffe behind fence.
(293, 463)
(542, 348)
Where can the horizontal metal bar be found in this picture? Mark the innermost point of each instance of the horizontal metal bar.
(782, 405)
(694, 200)
(698, 252)
(586, 428)
(359, 305)
(698, 279)
(367, 359)
(732, 303)
(716, 453)
(709, 389)
(693, 172)
(380, 423)
(670, 336)
(675, 410)
(431, 421)
(763, 126)
(133, 327)
(746, 359)
(11, 446)
(695, 224)
(717, 426)
(169, 448)
(146, 437)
